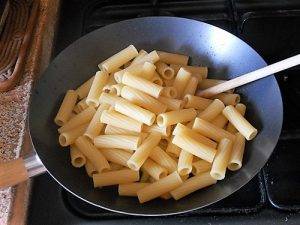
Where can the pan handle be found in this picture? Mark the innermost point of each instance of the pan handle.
(19, 170)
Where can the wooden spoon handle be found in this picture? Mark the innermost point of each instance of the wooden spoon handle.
(12, 173)
(252, 76)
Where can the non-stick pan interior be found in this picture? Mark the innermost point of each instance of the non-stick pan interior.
(224, 54)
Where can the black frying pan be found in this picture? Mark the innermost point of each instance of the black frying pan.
(226, 56)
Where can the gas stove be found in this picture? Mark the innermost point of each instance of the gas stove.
(270, 27)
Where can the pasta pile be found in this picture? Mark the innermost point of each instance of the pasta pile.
(138, 124)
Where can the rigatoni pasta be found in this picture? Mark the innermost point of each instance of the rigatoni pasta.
(139, 116)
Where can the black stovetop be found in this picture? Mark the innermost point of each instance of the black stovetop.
(272, 28)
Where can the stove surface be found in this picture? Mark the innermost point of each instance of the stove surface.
(273, 196)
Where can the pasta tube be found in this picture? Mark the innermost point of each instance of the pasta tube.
(196, 102)
(164, 131)
(198, 71)
(200, 166)
(109, 129)
(69, 137)
(95, 126)
(154, 170)
(173, 117)
(181, 80)
(241, 108)
(84, 89)
(173, 150)
(81, 105)
(169, 92)
(119, 59)
(92, 154)
(162, 158)
(141, 54)
(116, 119)
(123, 176)
(186, 142)
(135, 112)
(66, 108)
(131, 189)
(220, 121)
(159, 187)
(143, 151)
(148, 70)
(77, 158)
(143, 100)
(193, 184)
(164, 70)
(218, 168)
(142, 84)
(171, 103)
(240, 123)
(171, 58)
(191, 86)
(90, 168)
(151, 57)
(117, 141)
(109, 99)
(81, 118)
(212, 111)
(236, 157)
(228, 98)
(185, 163)
(211, 131)
(117, 156)
(116, 89)
(99, 82)
(180, 128)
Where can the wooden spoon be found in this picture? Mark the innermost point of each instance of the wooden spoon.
(250, 77)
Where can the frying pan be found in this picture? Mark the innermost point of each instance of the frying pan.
(226, 56)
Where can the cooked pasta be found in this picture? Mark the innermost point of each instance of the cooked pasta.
(81, 118)
(164, 70)
(236, 158)
(143, 151)
(209, 130)
(181, 80)
(141, 99)
(135, 112)
(117, 141)
(171, 103)
(117, 156)
(240, 123)
(185, 163)
(198, 71)
(99, 82)
(90, 168)
(123, 176)
(193, 184)
(219, 165)
(95, 126)
(212, 111)
(174, 117)
(66, 108)
(162, 158)
(77, 158)
(200, 166)
(171, 58)
(154, 169)
(159, 187)
(241, 108)
(191, 86)
(92, 154)
(69, 137)
(138, 124)
(84, 89)
(196, 102)
(131, 189)
(119, 59)
(116, 119)
(185, 141)
(142, 84)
